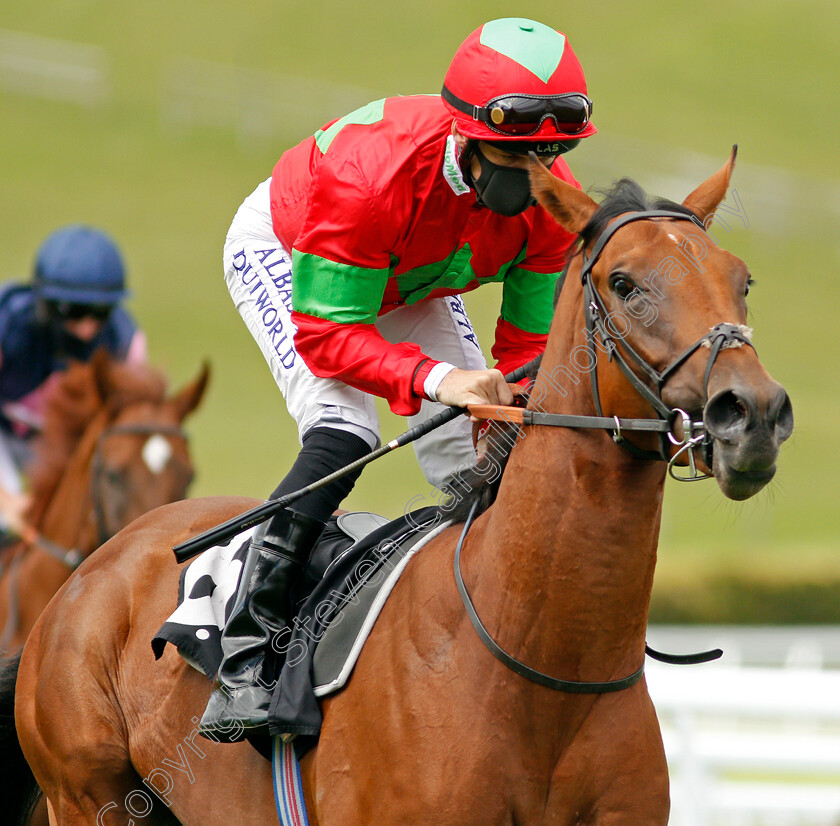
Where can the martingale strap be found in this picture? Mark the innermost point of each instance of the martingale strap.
(566, 686)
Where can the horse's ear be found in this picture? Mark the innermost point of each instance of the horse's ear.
(189, 397)
(706, 198)
(570, 207)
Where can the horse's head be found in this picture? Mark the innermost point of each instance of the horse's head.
(141, 458)
(113, 448)
(672, 304)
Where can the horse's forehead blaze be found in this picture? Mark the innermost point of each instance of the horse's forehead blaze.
(157, 451)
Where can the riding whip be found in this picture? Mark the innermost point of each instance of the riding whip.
(227, 530)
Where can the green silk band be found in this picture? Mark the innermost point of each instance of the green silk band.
(336, 292)
(348, 294)
(528, 299)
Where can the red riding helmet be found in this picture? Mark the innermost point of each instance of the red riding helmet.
(516, 79)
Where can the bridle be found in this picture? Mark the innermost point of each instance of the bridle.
(73, 557)
(98, 484)
(694, 434)
(720, 337)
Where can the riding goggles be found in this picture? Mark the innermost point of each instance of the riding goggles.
(524, 114)
(69, 311)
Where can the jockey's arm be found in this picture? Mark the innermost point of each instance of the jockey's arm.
(358, 355)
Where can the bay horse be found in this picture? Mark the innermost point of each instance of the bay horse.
(432, 728)
(112, 447)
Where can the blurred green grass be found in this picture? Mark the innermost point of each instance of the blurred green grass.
(670, 82)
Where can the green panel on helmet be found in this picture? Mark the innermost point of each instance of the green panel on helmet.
(533, 45)
(370, 113)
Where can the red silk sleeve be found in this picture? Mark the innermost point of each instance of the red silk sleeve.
(358, 355)
(514, 347)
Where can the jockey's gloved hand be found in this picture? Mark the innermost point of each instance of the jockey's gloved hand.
(462, 387)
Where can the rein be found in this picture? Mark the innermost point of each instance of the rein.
(719, 337)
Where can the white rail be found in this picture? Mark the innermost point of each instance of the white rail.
(54, 69)
(750, 746)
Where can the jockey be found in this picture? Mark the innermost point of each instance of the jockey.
(347, 264)
(72, 308)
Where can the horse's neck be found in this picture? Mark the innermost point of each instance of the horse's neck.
(563, 564)
(67, 517)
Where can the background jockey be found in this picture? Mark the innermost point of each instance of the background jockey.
(71, 309)
(346, 265)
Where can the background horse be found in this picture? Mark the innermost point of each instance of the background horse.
(432, 727)
(111, 449)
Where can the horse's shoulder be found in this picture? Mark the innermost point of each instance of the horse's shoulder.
(429, 571)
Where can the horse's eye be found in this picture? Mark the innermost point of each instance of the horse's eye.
(621, 286)
(747, 286)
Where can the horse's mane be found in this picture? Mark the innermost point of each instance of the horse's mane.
(624, 195)
(73, 400)
(471, 484)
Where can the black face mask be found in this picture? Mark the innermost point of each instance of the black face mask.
(504, 190)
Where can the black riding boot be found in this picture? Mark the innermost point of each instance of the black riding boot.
(276, 555)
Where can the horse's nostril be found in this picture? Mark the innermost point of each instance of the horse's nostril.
(726, 415)
(784, 418)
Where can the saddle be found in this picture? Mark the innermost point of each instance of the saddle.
(352, 570)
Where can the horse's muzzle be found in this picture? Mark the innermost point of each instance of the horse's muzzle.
(748, 426)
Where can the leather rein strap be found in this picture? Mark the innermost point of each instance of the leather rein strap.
(694, 435)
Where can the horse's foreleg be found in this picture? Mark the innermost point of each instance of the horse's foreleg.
(134, 805)
(614, 772)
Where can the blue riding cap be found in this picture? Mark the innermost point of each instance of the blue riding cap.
(80, 265)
